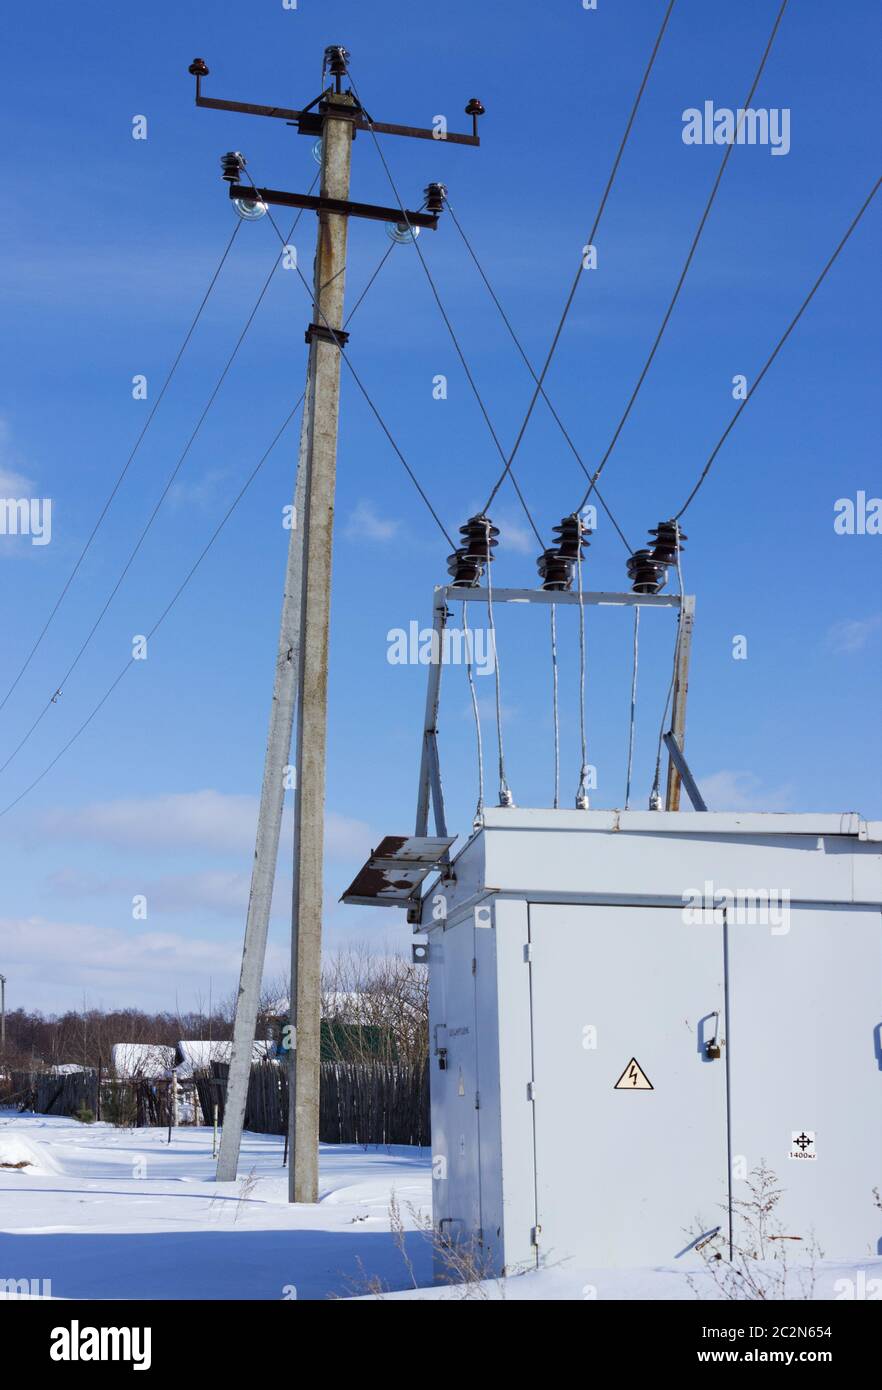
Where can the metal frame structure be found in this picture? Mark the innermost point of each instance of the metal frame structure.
(430, 788)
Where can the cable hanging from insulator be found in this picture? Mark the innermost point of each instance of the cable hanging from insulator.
(632, 722)
(669, 542)
(506, 797)
(583, 802)
(648, 569)
(467, 563)
(557, 564)
(478, 818)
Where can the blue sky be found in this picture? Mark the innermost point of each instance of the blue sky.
(108, 244)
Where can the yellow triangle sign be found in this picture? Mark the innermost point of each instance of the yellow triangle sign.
(633, 1078)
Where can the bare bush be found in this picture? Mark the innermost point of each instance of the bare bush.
(757, 1266)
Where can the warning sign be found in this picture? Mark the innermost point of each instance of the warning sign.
(633, 1078)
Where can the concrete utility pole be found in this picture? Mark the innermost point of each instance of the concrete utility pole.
(2, 1013)
(301, 678)
(323, 402)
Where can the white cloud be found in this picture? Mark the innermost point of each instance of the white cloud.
(13, 483)
(204, 819)
(208, 820)
(853, 634)
(516, 536)
(53, 964)
(742, 791)
(365, 523)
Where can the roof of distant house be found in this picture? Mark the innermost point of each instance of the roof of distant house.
(196, 1055)
(150, 1060)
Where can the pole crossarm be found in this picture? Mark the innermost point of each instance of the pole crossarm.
(310, 122)
(249, 194)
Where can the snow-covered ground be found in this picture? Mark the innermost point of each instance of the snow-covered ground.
(109, 1213)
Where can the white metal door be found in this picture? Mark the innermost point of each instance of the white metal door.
(806, 1073)
(629, 1110)
(462, 1201)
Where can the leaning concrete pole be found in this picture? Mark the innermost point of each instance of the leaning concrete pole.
(269, 824)
(323, 409)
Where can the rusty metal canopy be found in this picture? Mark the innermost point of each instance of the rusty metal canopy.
(396, 868)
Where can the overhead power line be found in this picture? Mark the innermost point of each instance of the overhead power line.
(444, 314)
(59, 686)
(591, 236)
(517, 342)
(115, 489)
(687, 263)
(778, 346)
(185, 581)
(360, 384)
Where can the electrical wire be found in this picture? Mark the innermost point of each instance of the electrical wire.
(517, 342)
(582, 798)
(361, 386)
(633, 716)
(655, 794)
(778, 346)
(59, 687)
(478, 819)
(555, 714)
(115, 489)
(742, 110)
(591, 236)
(505, 795)
(179, 591)
(445, 316)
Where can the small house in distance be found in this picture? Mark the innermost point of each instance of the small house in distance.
(140, 1061)
(197, 1055)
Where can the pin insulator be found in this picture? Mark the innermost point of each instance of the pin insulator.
(668, 542)
(336, 58)
(468, 561)
(555, 572)
(475, 107)
(557, 566)
(571, 535)
(232, 164)
(435, 195)
(479, 537)
(647, 574)
(198, 67)
(464, 571)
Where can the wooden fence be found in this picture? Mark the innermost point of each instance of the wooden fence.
(135, 1103)
(359, 1102)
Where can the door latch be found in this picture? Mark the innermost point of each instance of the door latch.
(712, 1048)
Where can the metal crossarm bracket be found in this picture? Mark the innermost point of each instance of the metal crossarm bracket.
(336, 336)
(248, 194)
(310, 122)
